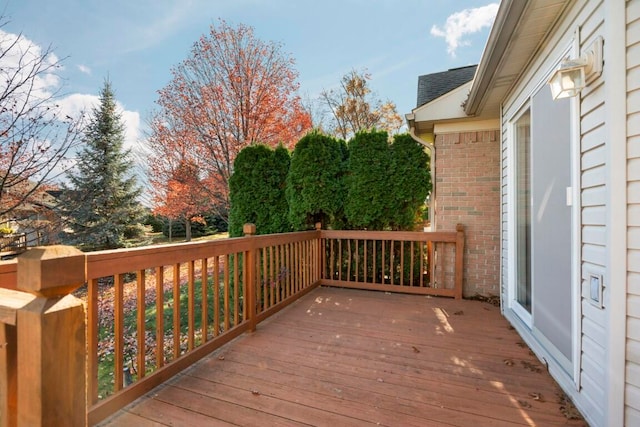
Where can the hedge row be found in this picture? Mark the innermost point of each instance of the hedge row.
(368, 183)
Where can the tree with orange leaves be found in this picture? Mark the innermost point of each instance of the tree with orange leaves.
(233, 91)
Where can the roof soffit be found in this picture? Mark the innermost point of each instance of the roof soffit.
(519, 31)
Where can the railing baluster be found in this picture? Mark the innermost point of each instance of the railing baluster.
(374, 275)
(159, 317)
(357, 257)
(421, 278)
(92, 341)
(459, 260)
(431, 263)
(141, 330)
(227, 317)
(236, 291)
(412, 256)
(204, 299)
(118, 313)
(216, 296)
(366, 265)
(332, 270)
(307, 264)
(391, 260)
(176, 311)
(191, 305)
(245, 281)
(272, 276)
(340, 259)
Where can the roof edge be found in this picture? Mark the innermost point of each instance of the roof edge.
(507, 19)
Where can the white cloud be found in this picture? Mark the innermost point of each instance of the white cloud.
(467, 21)
(84, 69)
(77, 103)
(19, 56)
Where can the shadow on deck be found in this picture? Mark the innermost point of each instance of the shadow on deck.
(346, 357)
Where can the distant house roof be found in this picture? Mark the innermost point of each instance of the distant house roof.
(432, 86)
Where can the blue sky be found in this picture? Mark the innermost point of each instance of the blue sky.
(136, 42)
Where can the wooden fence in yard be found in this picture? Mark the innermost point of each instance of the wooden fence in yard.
(148, 313)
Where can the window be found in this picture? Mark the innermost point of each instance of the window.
(523, 210)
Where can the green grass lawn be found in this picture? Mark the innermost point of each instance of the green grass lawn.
(106, 330)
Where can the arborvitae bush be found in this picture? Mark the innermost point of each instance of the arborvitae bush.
(369, 201)
(257, 190)
(315, 184)
(411, 182)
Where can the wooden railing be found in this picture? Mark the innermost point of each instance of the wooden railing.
(151, 312)
(202, 295)
(13, 244)
(410, 262)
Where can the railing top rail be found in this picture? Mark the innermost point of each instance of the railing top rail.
(8, 270)
(117, 261)
(265, 240)
(422, 236)
(10, 302)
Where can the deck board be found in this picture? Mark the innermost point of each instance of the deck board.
(346, 357)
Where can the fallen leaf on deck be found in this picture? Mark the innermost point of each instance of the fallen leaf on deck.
(536, 396)
(415, 349)
(508, 362)
(531, 366)
(220, 357)
(524, 403)
(459, 312)
(255, 392)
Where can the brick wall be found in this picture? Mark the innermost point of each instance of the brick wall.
(468, 192)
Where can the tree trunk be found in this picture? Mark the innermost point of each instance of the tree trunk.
(187, 229)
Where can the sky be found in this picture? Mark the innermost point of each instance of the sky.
(135, 43)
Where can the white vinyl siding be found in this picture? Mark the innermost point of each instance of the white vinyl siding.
(594, 197)
(593, 172)
(632, 389)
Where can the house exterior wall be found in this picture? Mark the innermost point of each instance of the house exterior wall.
(467, 179)
(588, 384)
(632, 383)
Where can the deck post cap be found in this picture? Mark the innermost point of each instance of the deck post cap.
(51, 270)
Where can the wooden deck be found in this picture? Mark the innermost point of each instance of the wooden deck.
(345, 357)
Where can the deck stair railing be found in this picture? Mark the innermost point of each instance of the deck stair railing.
(106, 327)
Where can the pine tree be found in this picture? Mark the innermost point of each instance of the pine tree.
(101, 201)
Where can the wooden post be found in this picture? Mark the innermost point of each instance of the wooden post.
(8, 377)
(51, 336)
(320, 255)
(249, 231)
(459, 260)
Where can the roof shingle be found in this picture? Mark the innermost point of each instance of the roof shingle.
(432, 86)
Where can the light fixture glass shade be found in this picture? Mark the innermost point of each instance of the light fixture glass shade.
(568, 80)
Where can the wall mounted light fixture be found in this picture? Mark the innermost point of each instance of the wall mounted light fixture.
(574, 74)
